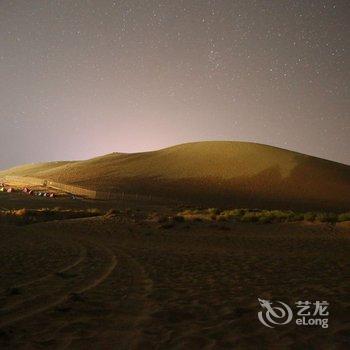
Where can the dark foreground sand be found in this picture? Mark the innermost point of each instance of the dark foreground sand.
(118, 283)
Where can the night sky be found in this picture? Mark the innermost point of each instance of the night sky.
(85, 78)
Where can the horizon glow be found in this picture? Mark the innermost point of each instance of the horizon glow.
(89, 78)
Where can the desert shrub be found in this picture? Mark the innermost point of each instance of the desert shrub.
(21, 212)
(28, 216)
(298, 217)
(265, 219)
(249, 217)
(214, 211)
(292, 216)
(344, 217)
(326, 217)
(45, 212)
(233, 214)
(56, 209)
(112, 212)
(93, 211)
(256, 215)
(238, 212)
(310, 216)
(190, 212)
(281, 216)
(321, 217)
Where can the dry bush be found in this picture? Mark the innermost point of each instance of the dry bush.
(27, 216)
(310, 216)
(258, 216)
(21, 212)
(213, 211)
(250, 217)
(326, 217)
(94, 211)
(112, 212)
(344, 217)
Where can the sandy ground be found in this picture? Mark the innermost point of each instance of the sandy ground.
(122, 283)
(9, 201)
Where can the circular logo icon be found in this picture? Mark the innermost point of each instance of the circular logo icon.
(274, 313)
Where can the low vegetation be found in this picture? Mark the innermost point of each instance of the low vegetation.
(258, 216)
(184, 217)
(29, 216)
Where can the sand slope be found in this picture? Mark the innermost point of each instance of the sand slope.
(219, 173)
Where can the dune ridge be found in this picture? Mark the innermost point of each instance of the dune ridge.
(214, 172)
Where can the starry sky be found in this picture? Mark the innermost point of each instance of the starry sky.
(85, 78)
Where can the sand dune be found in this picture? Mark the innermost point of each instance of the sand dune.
(235, 174)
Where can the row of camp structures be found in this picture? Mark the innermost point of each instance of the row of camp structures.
(26, 190)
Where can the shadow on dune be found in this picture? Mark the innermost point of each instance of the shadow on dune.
(225, 174)
(303, 189)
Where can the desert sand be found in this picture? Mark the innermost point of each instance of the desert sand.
(217, 173)
(126, 282)
(130, 280)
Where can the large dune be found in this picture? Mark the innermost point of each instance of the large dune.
(217, 173)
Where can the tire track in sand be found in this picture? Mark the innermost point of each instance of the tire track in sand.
(81, 258)
(40, 302)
